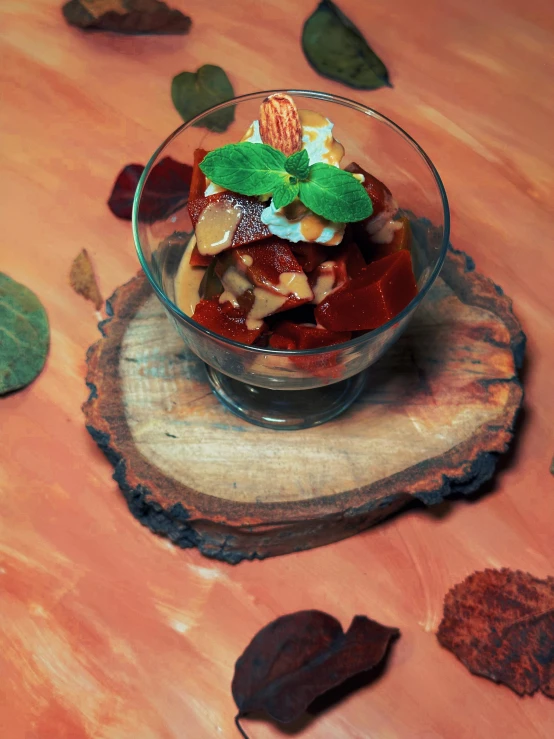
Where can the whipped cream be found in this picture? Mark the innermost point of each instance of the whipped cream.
(302, 224)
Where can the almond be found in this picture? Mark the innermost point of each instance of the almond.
(280, 125)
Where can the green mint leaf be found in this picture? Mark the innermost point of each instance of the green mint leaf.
(194, 92)
(24, 335)
(285, 194)
(335, 194)
(246, 168)
(337, 49)
(298, 164)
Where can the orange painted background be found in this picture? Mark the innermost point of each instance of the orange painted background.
(108, 632)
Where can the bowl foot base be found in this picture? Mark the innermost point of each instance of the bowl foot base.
(285, 409)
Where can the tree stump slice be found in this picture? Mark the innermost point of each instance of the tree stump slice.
(438, 410)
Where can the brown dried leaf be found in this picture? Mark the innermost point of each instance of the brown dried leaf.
(500, 624)
(83, 281)
(298, 657)
(125, 16)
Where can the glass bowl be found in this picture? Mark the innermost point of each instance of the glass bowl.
(296, 389)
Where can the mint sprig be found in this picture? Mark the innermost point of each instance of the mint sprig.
(259, 169)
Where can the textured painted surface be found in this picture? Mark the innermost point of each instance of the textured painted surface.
(108, 632)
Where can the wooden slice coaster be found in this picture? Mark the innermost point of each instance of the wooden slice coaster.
(438, 410)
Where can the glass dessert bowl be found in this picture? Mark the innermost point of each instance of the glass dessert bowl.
(287, 274)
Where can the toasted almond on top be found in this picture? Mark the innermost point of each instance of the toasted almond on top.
(280, 125)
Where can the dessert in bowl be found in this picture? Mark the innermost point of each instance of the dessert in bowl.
(313, 229)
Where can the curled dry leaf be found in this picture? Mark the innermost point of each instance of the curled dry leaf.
(500, 624)
(194, 92)
(298, 657)
(83, 280)
(166, 190)
(126, 16)
(336, 49)
(24, 335)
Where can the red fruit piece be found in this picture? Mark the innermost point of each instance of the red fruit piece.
(250, 228)
(272, 267)
(309, 255)
(200, 260)
(330, 275)
(293, 336)
(381, 196)
(166, 190)
(401, 239)
(379, 293)
(198, 180)
(290, 336)
(225, 320)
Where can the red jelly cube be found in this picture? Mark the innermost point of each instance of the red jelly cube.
(401, 239)
(225, 321)
(379, 293)
(333, 273)
(380, 195)
(200, 260)
(309, 256)
(250, 228)
(290, 336)
(272, 267)
(294, 336)
(198, 181)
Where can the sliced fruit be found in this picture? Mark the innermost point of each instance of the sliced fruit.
(379, 293)
(333, 273)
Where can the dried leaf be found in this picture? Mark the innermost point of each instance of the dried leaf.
(336, 49)
(126, 16)
(194, 92)
(298, 657)
(24, 335)
(166, 190)
(83, 280)
(500, 624)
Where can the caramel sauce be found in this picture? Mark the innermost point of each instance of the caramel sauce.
(295, 211)
(311, 226)
(335, 239)
(268, 301)
(234, 284)
(216, 227)
(325, 281)
(187, 282)
(249, 133)
(335, 151)
(312, 119)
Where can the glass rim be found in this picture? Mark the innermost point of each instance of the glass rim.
(351, 343)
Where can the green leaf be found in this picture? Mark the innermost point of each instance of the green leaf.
(194, 92)
(335, 194)
(24, 335)
(284, 194)
(298, 164)
(336, 49)
(246, 168)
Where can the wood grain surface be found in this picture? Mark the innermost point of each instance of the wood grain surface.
(437, 411)
(108, 632)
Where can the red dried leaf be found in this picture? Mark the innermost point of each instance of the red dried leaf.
(298, 657)
(166, 190)
(500, 624)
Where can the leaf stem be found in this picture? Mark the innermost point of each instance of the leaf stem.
(239, 727)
